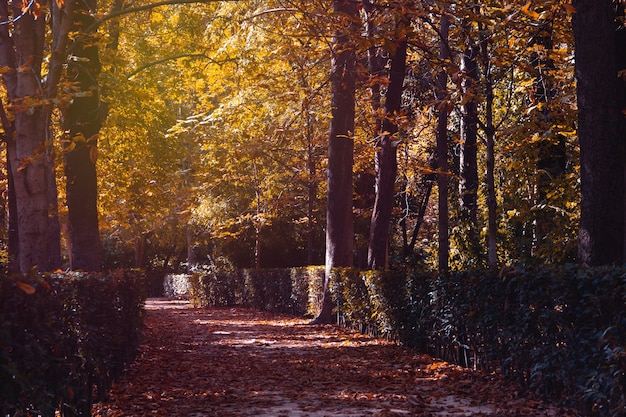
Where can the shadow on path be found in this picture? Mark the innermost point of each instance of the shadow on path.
(237, 362)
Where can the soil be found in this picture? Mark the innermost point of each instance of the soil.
(238, 362)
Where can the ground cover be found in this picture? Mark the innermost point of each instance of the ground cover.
(238, 362)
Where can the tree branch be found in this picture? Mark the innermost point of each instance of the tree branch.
(175, 57)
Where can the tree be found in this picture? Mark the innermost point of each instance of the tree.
(601, 94)
(442, 145)
(83, 119)
(387, 143)
(339, 218)
(468, 172)
(22, 55)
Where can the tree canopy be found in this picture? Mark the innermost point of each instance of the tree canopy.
(218, 116)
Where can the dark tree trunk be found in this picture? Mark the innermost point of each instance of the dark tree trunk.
(339, 218)
(386, 162)
(14, 236)
(442, 149)
(490, 133)
(468, 183)
(84, 118)
(601, 131)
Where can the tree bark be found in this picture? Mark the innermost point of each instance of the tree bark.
(468, 183)
(339, 218)
(442, 148)
(27, 158)
(386, 162)
(490, 133)
(84, 118)
(601, 131)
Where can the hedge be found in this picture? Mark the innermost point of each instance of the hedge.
(64, 337)
(561, 331)
(291, 290)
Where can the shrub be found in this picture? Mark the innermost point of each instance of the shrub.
(63, 335)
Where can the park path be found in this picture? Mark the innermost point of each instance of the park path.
(237, 362)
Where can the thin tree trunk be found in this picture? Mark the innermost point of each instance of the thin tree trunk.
(468, 183)
(490, 131)
(339, 219)
(311, 185)
(442, 149)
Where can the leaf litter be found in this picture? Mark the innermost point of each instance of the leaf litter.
(238, 362)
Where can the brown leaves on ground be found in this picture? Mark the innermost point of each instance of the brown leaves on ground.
(237, 362)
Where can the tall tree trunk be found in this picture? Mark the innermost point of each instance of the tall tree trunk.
(27, 158)
(468, 183)
(386, 161)
(442, 148)
(490, 133)
(601, 131)
(312, 185)
(339, 218)
(84, 118)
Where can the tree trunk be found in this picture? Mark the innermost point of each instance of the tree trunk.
(27, 158)
(84, 118)
(386, 162)
(490, 132)
(339, 218)
(468, 183)
(442, 149)
(601, 131)
(312, 185)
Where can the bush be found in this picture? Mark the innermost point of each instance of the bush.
(63, 335)
(295, 291)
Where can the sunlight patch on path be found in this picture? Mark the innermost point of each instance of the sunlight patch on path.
(232, 362)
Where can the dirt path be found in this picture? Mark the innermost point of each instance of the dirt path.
(235, 362)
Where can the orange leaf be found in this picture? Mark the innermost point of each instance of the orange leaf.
(27, 288)
(569, 9)
(530, 13)
(60, 3)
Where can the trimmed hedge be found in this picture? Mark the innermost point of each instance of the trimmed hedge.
(561, 331)
(295, 290)
(62, 335)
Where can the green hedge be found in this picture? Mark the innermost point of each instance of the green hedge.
(294, 290)
(561, 331)
(63, 335)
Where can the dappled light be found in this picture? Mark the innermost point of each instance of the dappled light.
(238, 362)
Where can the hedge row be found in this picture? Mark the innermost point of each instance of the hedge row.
(64, 337)
(560, 331)
(293, 290)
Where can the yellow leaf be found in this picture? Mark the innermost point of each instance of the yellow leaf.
(27, 288)
(60, 3)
